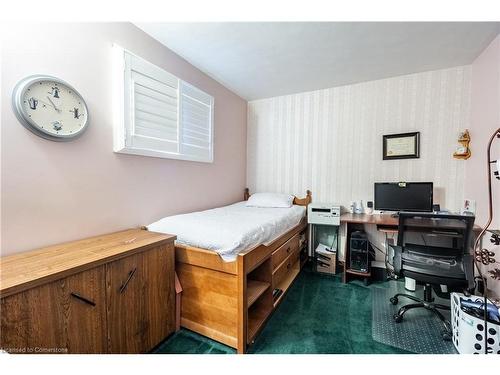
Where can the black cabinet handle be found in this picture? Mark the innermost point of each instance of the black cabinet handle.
(130, 275)
(83, 299)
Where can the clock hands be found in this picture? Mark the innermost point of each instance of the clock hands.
(51, 102)
(57, 125)
(34, 102)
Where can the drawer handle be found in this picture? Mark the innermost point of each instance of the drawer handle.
(83, 299)
(288, 265)
(130, 275)
(288, 250)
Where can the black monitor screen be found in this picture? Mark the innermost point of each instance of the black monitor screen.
(403, 196)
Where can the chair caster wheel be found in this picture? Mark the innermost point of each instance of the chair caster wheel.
(394, 300)
(398, 318)
(446, 335)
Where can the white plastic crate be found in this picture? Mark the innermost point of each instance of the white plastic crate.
(468, 331)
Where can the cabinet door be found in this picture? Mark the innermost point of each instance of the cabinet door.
(64, 316)
(32, 321)
(140, 300)
(85, 312)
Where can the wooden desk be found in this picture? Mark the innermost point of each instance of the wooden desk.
(377, 219)
(384, 222)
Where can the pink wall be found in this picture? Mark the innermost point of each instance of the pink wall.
(54, 192)
(485, 118)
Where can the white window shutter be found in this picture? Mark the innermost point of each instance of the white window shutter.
(154, 96)
(196, 123)
(159, 115)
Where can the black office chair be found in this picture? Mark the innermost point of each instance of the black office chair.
(442, 257)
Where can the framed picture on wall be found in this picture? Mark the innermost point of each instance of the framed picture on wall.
(401, 146)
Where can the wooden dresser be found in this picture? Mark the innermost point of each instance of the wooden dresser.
(107, 294)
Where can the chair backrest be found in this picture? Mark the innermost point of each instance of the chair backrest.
(435, 248)
(458, 228)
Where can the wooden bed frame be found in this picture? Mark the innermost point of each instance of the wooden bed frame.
(230, 301)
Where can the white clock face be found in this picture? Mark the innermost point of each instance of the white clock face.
(51, 108)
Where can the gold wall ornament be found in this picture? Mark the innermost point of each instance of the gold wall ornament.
(463, 150)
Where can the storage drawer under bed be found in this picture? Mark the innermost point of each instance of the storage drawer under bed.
(284, 268)
(280, 254)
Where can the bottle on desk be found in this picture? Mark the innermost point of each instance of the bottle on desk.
(359, 209)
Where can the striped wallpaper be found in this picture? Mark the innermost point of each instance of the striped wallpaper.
(330, 141)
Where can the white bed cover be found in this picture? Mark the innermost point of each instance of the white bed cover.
(231, 229)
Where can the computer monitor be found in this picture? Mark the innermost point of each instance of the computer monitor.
(403, 196)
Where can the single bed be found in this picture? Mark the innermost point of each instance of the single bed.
(229, 260)
(231, 229)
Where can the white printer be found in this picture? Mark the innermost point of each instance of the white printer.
(323, 213)
(324, 221)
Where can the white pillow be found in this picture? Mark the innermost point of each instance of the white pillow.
(270, 200)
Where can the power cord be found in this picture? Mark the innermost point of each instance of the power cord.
(335, 238)
(423, 239)
(389, 271)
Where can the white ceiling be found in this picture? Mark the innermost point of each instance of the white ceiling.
(259, 60)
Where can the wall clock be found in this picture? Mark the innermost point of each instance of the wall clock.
(50, 108)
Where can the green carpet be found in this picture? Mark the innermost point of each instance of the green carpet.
(319, 314)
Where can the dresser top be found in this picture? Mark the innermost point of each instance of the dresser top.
(32, 268)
